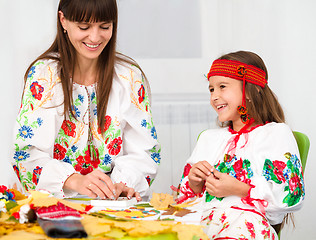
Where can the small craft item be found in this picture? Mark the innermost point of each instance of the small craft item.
(161, 201)
(177, 211)
(60, 221)
(131, 213)
(121, 202)
(63, 228)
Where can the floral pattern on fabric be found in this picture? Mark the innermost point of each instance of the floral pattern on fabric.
(155, 152)
(223, 225)
(139, 96)
(289, 172)
(238, 168)
(77, 138)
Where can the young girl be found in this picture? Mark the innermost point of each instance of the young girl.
(247, 173)
(85, 123)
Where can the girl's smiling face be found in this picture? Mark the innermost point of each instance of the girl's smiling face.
(226, 96)
(88, 38)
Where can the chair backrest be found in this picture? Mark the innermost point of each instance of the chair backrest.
(303, 146)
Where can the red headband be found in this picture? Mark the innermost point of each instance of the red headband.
(239, 71)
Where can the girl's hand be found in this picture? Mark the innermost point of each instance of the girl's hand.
(122, 190)
(94, 184)
(222, 185)
(198, 174)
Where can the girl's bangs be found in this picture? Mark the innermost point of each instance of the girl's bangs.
(91, 11)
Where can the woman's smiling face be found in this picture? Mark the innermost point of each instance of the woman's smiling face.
(88, 38)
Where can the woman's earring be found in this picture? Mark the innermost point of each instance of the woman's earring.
(65, 31)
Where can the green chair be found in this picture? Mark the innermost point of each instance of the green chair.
(303, 147)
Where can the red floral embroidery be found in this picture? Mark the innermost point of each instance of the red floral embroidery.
(95, 160)
(59, 152)
(187, 169)
(278, 170)
(36, 174)
(265, 233)
(265, 223)
(251, 229)
(86, 164)
(69, 128)
(36, 90)
(16, 170)
(209, 218)
(187, 193)
(223, 217)
(294, 182)
(82, 166)
(148, 180)
(107, 124)
(141, 94)
(115, 146)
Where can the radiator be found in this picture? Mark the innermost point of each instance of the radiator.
(179, 119)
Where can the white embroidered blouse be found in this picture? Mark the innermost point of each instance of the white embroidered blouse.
(49, 148)
(266, 158)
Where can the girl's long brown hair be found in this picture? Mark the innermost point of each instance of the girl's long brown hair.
(262, 103)
(86, 11)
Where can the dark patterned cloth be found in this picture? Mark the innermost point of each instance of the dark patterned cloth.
(63, 228)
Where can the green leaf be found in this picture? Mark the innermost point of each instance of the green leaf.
(102, 215)
(12, 219)
(17, 148)
(29, 175)
(105, 168)
(10, 204)
(143, 205)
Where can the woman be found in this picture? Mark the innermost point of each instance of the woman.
(85, 112)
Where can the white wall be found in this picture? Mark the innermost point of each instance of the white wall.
(282, 32)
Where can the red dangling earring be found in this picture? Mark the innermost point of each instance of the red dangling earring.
(242, 109)
(244, 116)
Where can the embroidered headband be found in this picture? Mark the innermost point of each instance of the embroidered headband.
(239, 71)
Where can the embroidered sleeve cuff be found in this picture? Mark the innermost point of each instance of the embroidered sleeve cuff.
(53, 177)
(186, 193)
(254, 202)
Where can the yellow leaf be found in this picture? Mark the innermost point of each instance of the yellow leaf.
(161, 201)
(37, 194)
(24, 235)
(45, 201)
(188, 231)
(94, 226)
(18, 194)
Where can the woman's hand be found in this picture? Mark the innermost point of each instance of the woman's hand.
(94, 184)
(198, 174)
(222, 185)
(122, 190)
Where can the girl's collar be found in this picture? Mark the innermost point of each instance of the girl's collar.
(245, 129)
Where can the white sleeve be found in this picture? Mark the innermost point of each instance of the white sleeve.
(35, 131)
(199, 153)
(137, 167)
(279, 187)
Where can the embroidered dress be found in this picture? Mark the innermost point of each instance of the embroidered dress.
(266, 158)
(49, 148)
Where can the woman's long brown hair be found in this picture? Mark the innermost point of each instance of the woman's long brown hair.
(86, 11)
